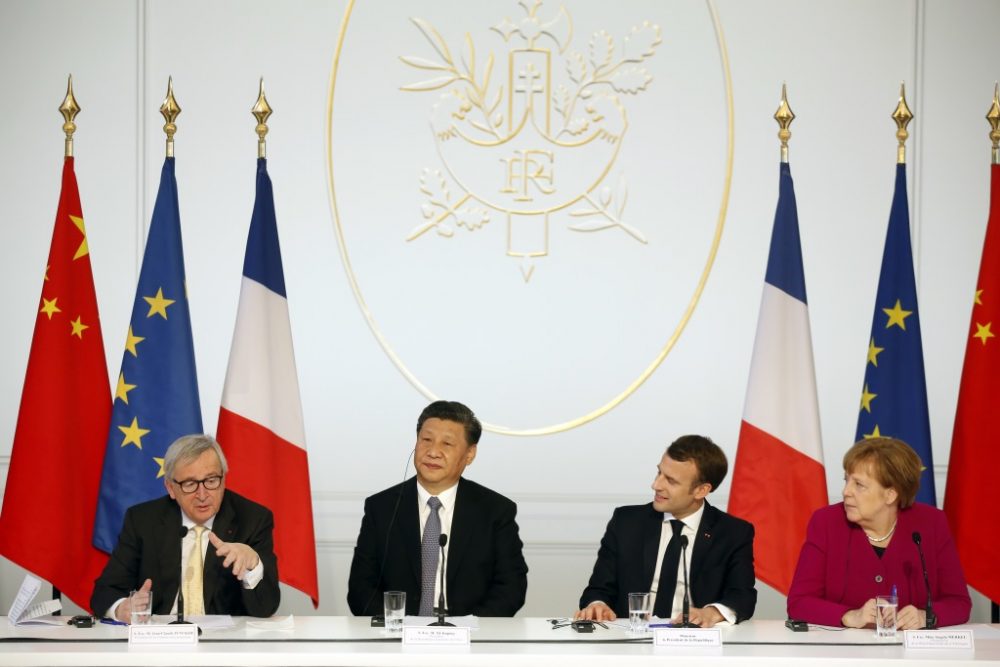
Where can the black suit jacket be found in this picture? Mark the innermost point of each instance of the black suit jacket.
(721, 563)
(149, 547)
(485, 571)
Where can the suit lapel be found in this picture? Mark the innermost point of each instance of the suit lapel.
(225, 528)
(651, 530)
(409, 527)
(463, 521)
(702, 544)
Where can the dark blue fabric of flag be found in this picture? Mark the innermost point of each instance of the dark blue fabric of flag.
(784, 263)
(263, 257)
(896, 378)
(163, 404)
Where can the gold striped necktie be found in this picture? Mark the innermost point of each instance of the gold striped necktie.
(194, 596)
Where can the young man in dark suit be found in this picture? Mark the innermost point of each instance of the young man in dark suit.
(229, 536)
(399, 543)
(641, 539)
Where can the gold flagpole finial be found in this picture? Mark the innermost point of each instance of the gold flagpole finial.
(784, 116)
(69, 109)
(261, 111)
(902, 116)
(993, 116)
(170, 110)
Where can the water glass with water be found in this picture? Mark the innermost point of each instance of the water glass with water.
(395, 610)
(885, 616)
(141, 605)
(639, 611)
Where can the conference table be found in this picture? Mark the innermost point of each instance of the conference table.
(495, 642)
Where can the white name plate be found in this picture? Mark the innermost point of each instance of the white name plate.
(435, 635)
(962, 639)
(688, 637)
(159, 635)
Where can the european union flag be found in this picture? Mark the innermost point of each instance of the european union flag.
(156, 398)
(894, 396)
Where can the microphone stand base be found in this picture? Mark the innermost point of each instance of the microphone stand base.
(687, 624)
(441, 623)
(179, 622)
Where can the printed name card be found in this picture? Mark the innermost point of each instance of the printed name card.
(435, 636)
(961, 639)
(687, 637)
(160, 635)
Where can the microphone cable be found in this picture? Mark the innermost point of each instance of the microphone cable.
(388, 532)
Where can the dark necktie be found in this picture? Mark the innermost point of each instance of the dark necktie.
(668, 572)
(429, 550)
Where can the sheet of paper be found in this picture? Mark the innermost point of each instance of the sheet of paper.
(469, 621)
(273, 624)
(212, 621)
(22, 610)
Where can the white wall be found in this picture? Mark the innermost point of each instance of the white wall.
(598, 308)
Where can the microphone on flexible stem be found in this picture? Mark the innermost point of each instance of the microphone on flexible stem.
(440, 610)
(686, 606)
(180, 590)
(928, 610)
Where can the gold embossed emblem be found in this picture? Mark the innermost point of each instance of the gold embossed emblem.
(530, 136)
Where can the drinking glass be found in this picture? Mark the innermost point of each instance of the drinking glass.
(885, 616)
(141, 604)
(639, 611)
(395, 610)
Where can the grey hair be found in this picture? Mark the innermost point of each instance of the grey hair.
(189, 447)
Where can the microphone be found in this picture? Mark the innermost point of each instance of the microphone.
(686, 605)
(180, 588)
(928, 610)
(441, 612)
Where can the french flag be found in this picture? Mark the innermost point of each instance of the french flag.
(260, 421)
(778, 478)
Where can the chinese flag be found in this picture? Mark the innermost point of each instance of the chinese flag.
(973, 467)
(55, 467)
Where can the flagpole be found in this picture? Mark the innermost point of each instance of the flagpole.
(261, 111)
(69, 109)
(902, 116)
(170, 110)
(784, 116)
(993, 117)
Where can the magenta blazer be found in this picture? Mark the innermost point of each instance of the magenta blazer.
(838, 570)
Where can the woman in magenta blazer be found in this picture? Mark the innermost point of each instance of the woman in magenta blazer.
(867, 546)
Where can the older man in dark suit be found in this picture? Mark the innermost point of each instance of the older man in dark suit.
(641, 549)
(399, 543)
(212, 545)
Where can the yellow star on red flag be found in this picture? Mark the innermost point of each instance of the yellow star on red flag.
(82, 250)
(983, 332)
(78, 327)
(49, 307)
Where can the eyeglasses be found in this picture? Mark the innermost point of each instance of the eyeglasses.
(191, 485)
